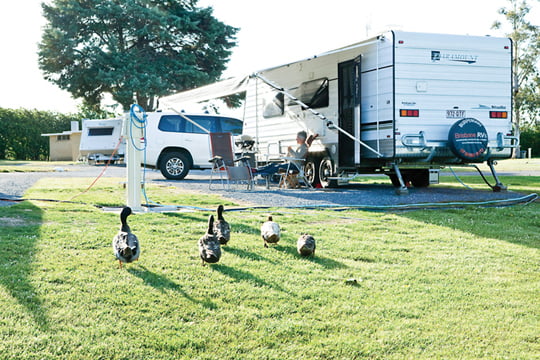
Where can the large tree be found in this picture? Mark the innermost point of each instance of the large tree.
(526, 50)
(135, 50)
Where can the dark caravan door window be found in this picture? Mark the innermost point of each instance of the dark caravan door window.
(349, 98)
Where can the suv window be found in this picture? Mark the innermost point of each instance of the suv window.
(233, 126)
(208, 122)
(176, 123)
(172, 123)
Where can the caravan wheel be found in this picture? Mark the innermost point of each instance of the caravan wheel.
(310, 172)
(326, 170)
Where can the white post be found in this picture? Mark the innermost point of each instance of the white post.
(133, 135)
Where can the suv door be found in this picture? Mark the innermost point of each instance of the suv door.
(178, 132)
(196, 139)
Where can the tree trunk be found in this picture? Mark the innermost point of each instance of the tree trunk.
(147, 102)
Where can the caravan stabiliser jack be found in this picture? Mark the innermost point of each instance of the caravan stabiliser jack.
(498, 187)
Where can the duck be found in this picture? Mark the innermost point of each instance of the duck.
(125, 243)
(222, 229)
(270, 231)
(209, 246)
(306, 245)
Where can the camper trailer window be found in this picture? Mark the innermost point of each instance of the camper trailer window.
(101, 131)
(274, 105)
(314, 93)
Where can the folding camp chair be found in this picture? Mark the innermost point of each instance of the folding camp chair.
(229, 169)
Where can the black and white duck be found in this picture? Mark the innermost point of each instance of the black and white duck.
(270, 232)
(125, 244)
(222, 229)
(209, 246)
(306, 245)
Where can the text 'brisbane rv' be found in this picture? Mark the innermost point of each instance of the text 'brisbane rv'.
(403, 104)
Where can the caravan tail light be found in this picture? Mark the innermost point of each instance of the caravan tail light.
(498, 114)
(409, 113)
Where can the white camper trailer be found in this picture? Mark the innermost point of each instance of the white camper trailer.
(100, 139)
(403, 104)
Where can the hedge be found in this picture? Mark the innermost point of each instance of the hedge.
(21, 129)
(530, 138)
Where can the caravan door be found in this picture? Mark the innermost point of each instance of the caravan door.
(349, 112)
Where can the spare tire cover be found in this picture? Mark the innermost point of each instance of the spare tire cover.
(468, 139)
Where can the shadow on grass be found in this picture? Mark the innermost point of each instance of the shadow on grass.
(240, 275)
(162, 283)
(317, 259)
(193, 217)
(20, 231)
(327, 263)
(248, 255)
(516, 224)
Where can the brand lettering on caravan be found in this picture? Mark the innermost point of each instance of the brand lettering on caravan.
(466, 58)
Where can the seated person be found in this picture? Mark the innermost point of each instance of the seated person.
(299, 153)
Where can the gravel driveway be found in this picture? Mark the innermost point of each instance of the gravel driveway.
(13, 186)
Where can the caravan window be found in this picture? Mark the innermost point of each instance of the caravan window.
(314, 93)
(274, 105)
(102, 131)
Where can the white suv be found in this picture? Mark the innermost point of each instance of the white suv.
(175, 145)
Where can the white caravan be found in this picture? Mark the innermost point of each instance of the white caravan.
(403, 104)
(100, 138)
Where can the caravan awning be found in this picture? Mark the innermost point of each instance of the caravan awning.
(213, 91)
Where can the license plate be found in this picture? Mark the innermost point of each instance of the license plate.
(455, 114)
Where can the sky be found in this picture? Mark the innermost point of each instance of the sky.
(271, 33)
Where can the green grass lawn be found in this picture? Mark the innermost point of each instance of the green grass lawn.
(430, 284)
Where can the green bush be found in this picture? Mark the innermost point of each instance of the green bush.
(21, 129)
(530, 138)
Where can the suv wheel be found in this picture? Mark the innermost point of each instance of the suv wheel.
(174, 165)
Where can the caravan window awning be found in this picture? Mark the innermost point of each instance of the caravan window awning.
(213, 91)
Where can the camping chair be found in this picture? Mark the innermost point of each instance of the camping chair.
(229, 169)
(291, 177)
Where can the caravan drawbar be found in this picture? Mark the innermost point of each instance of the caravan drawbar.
(402, 104)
